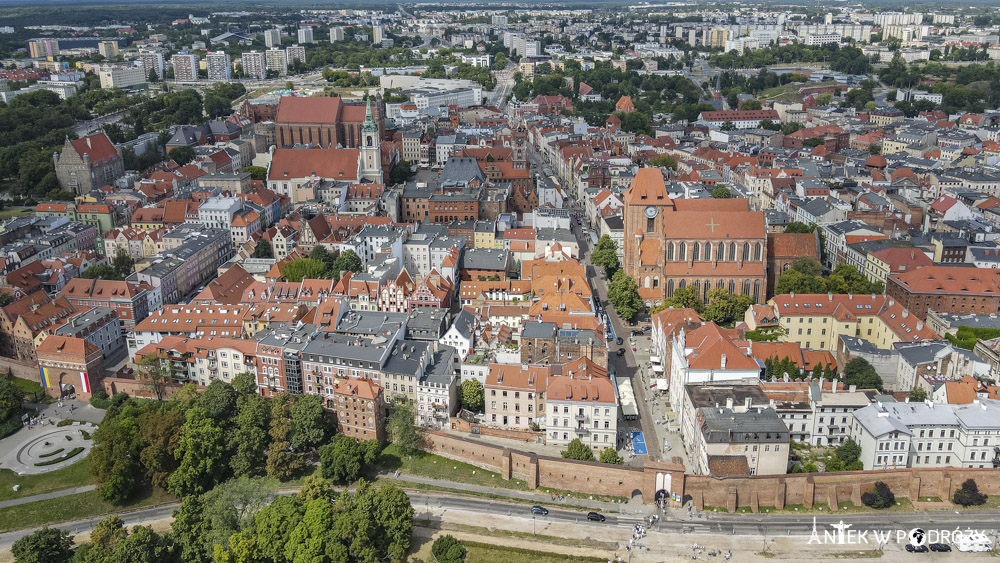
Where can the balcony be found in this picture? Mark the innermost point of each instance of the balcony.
(581, 430)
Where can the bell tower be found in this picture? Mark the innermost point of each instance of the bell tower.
(371, 149)
(519, 148)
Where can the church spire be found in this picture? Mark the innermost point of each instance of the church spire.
(369, 126)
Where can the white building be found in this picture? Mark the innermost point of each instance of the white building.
(217, 212)
(582, 403)
(185, 67)
(893, 435)
(276, 60)
(272, 38)
(305, 35)
(336, 34)
(218, 66)
(151, 60)
(122, 76)
(254, 65)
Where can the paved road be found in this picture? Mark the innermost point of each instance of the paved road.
(625, 366)
(46, 496)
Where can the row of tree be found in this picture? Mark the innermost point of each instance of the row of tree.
(321, 264)
(243, 520)
(195, 441)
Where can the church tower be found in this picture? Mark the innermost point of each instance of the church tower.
(519, 147)
(371, 149)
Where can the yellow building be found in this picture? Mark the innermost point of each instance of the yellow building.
(486, 236)
(890, 146)
(817, 321)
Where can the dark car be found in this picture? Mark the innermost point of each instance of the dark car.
(595, 517)
(620, 352)
(620, 341)
(939, 547)
(539, 510)
(916, 548)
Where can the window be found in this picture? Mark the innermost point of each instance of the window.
(650, 225)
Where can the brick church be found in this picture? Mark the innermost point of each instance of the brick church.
(705, 243)
(323, 122)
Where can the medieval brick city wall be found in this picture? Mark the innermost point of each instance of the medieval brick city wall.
(757, 492)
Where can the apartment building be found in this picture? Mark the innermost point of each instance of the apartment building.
(254, 65)
(185, 67)
(218, 64)
(360, 409)
(581, 402)
(514, 395)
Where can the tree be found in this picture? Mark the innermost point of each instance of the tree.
(106, 535)
(143, 545)
(256, 172)
(282, 462)
(721, 192)
(320, 254)
(918, 395)
(154, 373)
(347, 261)
(606, 258)
(374, 523)
(860, 373)
(446, 549)
(201, 453)
(219, 401)
(610, 455)
(114, 459)
(845, 278)
(190, 529)
(807, 266)
(11, 399)
(577, 450)
(6, 298)
(402, 426)
(750, 105)
(500, 61)
(253, 418)
(724, 307)
(624, 295)
(48, 545)
(304, 268)
(310, 423)
(181, 155)
(727, 126)
(799, 227)
(969, 494)
(769, 125)
(824, 99)
(153, 78)
(160, 432)
(663, 161)
(263, 249)
(686, 297)
(230, 508)
(794, 281)
(848, 452)
(813, 142)
(401, 173)
(340, 460)
(123, 264)
(473, 395)
(879, 498)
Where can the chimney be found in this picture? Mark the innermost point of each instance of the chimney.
(829, 296)
(836, 383)
(723, 362)
(905, 313)
(729, 403)
(892, 302)
(920, 325)
(785, 377)
(747, 402)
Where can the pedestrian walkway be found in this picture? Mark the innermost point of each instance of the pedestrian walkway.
(631, 507)
(47, 496)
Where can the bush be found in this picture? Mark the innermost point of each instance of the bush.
(50, 454)
(879, 498)
(64, 422)
(100, 400)
(969, 494)
(11, 425)
(72, 453)
(446, 549)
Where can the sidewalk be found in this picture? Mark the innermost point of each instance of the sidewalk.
(46, 496)
(634, 508)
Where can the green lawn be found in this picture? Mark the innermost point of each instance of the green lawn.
(487, 553)
(72, 507)
(436, 467)
(76, 475)
(32, 390)
(8, 213)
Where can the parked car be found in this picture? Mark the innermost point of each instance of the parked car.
(916, 548)
(620, 341)
(595, 517)
(943, 547)
(620, 352)
(539, 510)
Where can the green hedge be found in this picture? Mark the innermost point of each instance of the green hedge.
(50, 454)
(100, 400)
(72, 453)
(11, 425)
(966, 336)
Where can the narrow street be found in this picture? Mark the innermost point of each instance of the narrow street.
(624, 366)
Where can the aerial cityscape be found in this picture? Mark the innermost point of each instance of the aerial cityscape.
(527, 282)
